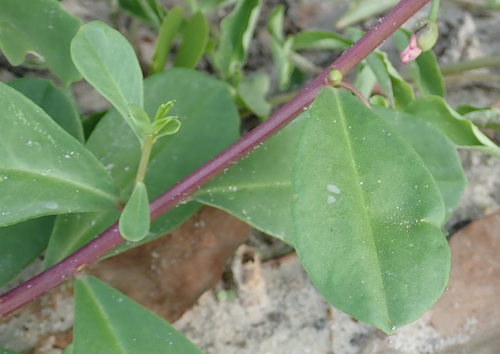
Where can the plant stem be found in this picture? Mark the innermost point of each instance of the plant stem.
(485, 62)
(433, 13)
(111, 238)
(145, 155)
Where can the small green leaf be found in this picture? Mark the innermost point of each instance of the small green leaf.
(144, 10)
(105, 319)
(280, 53)
(194, 40)
(365, 79)
(168, 30)
(435, 149)
(424, 70)
(367, 215)
(135, 221)
(166, 126)
(56, 104)
(487, 118)
(320, 40)
(163, 110)
(6, 351)
(43, 169)
(253, 91)
(40, 27)
(461, 131)
(108, 62)
(141, 119)
(236, 33)
(21, 244)
(68, 349)
(275, 23)
(210, 122)
(364, 9)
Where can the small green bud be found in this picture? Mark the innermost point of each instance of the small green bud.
(334, 77)
(163, 110)
(427, 34)
(378, 100)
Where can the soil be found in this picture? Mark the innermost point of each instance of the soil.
(260, 301)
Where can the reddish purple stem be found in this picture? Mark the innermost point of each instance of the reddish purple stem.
(111, 238)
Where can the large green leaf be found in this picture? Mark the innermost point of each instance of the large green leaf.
(424, 70)
(257, 189)
(108, 62)
(40, 27)
(460, 130)
(106, 321)
(367, 215)
(210, 123)
(435, 149)
(43, 169)
(56, 104)
(236, 33)
(21, 244)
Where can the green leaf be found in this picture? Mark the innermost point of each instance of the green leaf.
(166, 126)
(236, 33)
(56, 104)
(108, 62)
(68, 349)
(168, 30)
(194, 40)
(435, 149)
(141, 119)
(364, 9)
(253, 91)
(43, 169)
(257, 189)
(21, 244)
(275, 23)
(90, 123)
(6, 351)
(40, 27)
(105, 318)
(210, 122)
(144, 10)
(487, 118)
(320, 40)
(424, 70)
(365, 80)
(461, 131)
(280, 53)
(367, 215)
(135, 220)
(280, 49)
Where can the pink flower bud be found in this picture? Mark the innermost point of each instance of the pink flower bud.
(412, 51)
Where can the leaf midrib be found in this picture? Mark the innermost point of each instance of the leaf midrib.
(87, 187)
(366, 215)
